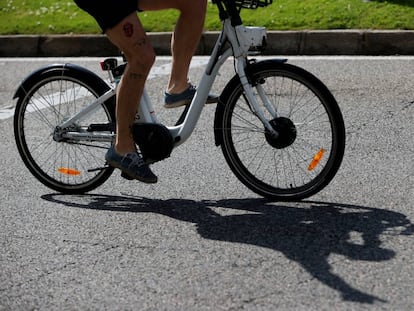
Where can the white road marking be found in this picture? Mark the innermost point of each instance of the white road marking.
(198, 61)
(156, 71)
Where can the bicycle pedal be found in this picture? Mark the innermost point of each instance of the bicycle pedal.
(126, 176)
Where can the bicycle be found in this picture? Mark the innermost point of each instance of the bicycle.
(279, 127)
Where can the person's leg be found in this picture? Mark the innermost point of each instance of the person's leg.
(119, 20)
(130, 37)
(186, 36)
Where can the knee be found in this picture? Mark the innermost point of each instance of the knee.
(141, 60)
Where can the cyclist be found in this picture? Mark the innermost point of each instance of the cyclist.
(120, 22)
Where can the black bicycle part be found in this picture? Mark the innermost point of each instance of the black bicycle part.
(231, 8)
(154, 140)
(286, 131)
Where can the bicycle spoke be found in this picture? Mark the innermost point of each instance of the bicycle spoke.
(61, 165)
(294, 163)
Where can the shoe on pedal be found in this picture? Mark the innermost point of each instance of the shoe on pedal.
(185, 98)
(132, 165)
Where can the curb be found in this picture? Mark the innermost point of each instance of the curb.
(323, 42)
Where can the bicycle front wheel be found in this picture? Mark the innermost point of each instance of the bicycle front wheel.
(65, 166)
(308, 152)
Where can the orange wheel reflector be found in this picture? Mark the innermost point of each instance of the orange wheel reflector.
(316, 159)
(68, 171)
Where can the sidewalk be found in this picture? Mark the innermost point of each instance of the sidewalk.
(331, 42)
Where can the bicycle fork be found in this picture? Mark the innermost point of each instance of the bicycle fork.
(252, 100)
(240, 39)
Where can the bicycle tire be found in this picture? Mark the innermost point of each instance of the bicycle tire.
(309, 151)
(54, 95)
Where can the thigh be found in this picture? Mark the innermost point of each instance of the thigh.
(130, 37)
(108, 13)
(153, 5)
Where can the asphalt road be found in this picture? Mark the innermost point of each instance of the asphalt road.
(199, 240)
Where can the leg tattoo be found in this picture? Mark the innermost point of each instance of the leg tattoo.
(128, 29)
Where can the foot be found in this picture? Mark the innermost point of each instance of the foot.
(185, 98)
(132, 165)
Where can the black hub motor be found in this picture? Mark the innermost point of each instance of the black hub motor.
(286, 130)
(154, 140)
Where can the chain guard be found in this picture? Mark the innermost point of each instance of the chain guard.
(154, 140)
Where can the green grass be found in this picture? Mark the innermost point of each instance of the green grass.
(62, 16)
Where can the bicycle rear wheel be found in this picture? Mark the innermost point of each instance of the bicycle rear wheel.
(67, 167)
(310, 147)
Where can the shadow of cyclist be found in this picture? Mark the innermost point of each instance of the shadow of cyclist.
(306, 232)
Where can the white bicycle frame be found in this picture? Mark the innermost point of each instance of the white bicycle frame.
(241, 39)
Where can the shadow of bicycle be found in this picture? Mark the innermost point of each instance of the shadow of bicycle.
(306, 232)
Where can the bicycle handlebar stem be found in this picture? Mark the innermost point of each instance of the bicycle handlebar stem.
(228, 9)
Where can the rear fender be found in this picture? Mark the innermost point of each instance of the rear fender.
(71, 70)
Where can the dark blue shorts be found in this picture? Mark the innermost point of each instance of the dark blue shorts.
(108, 13)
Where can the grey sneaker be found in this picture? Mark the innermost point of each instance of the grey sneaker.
(132, 165)
(185, 98)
